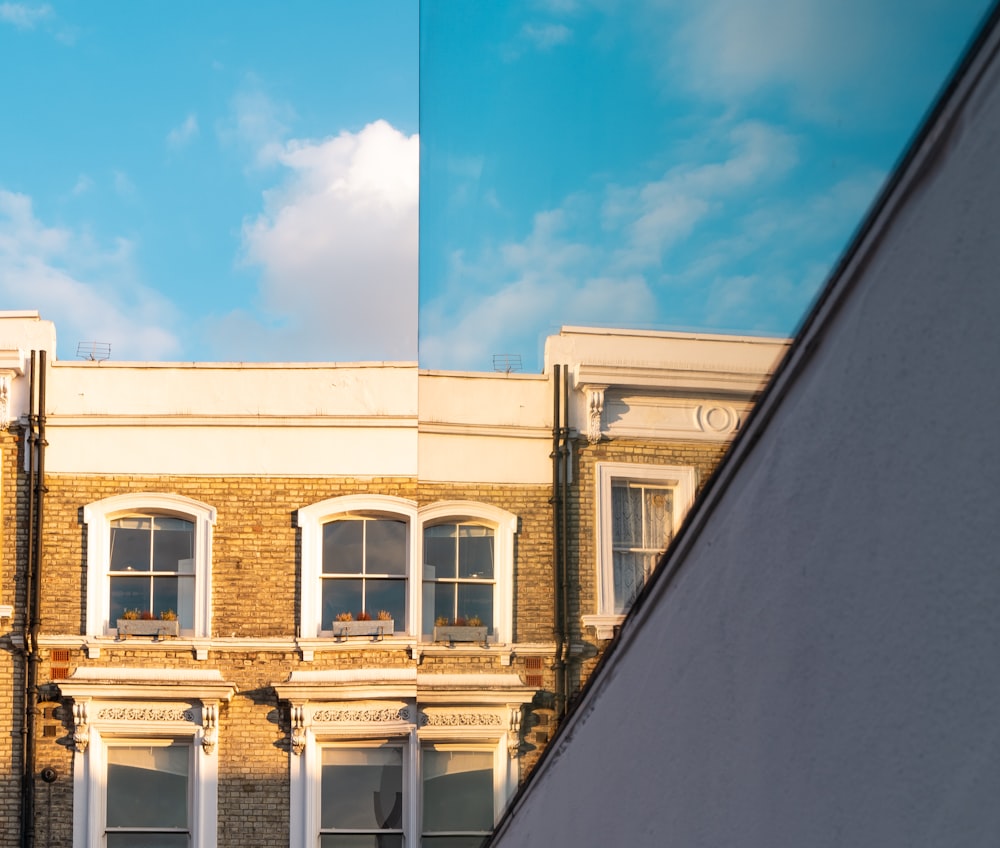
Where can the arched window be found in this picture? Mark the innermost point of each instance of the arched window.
(468, 567)
(150, 553)
(357, 552)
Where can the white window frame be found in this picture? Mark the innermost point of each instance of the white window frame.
(306, 774)
(504, 526)
(501, 765)
(311, 520)
(681, 479)
(98, 517)
(90, 779)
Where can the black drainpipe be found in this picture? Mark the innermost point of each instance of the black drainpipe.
(35, 445)
(557, 544)
(564, 452)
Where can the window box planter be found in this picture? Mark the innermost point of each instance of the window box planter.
(456, 633)
(139, 627)
(377, 628)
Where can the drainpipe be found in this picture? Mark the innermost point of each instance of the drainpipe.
(557, 543)
(35, 444)
(564, 455)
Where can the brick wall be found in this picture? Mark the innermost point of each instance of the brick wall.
(255, 594)
(702, 456)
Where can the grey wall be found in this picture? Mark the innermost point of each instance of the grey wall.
(824, 668)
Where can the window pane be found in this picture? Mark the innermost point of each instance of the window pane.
(475, 552)
(385, 546)
(147, 840)
(444, 602)
(359, 840)
(626, 516)
(340, 596)
(173, 544)
(130, 544)
(458, 790)
(128, 593)
(440, 551)
(177, 594)
(343, 547)
(389, 595)
(629, 575)
(147, 786)
(476, 599)
(658, 504)
(164, 594)
(362, 788)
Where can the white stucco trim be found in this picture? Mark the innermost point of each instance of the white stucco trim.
(98, 516)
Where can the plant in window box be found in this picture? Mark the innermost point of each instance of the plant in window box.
(345, 624)
(143, 623)
(460, 629)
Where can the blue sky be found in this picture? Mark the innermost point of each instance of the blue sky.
(239, 181)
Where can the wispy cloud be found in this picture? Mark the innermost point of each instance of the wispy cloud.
(183, 134)
(257, 124)
(24, 15)
(336, 245)
(723, 241)
(124, 187)
(90, 290)
(546, 36)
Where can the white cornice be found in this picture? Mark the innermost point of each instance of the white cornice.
(147, 684)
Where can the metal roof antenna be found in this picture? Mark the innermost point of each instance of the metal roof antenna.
(93, 351)
(506, 362)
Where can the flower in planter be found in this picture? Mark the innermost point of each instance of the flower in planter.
(344, 616)
(384, 615)
(441, 621)
(460, 621)
(168, 615)
(364, 616)
(474, 621)
(130, 615)
(147, 615)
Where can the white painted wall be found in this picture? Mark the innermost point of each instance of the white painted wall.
(488, 428)
(824, 668)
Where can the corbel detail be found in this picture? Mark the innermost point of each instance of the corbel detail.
(514, 732)
(81, 725)
(4, 400)
(297, 716)
(210, 726)
(595, 410)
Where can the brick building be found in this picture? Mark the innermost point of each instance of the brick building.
(334, 604)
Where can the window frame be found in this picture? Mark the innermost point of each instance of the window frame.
(504, 525)
(311, 519)
(98, 517)
(496, 765)
(306, 774)
(681, 479)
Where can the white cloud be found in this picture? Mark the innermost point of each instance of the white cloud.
(257, 123)
(842, 62)
(337, 248)
(24, 15)
(183, 134)
(89, 290)
(82, 185)
(124, 187)
(546, 36)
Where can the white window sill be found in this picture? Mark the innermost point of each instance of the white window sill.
(604, 625)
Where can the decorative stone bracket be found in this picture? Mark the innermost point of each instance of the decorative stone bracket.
(595, 410)
(81, 725)
(298, 728)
